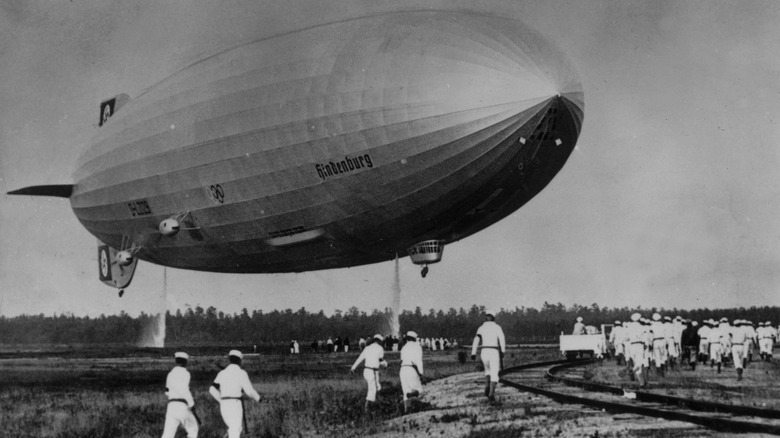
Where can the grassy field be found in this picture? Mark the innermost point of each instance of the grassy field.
(120, 392)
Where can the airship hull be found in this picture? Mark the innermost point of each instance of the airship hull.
(334, 146)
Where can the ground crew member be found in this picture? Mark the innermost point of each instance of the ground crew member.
(704, 342)
(493, 342)
(752, 339)
(715, 346)
(768, 340)
(579, 327)
(411, 368)
(227, 390)
(671, 352)
(738, 340)
(659, 350)
(725, 339)
(616, 339)
(636, 352)
(677, 329)
(647, 335)
(762, 334)
(690, 342)
(373, 358)
(180, 401)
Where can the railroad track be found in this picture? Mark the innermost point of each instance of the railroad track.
(547, 379)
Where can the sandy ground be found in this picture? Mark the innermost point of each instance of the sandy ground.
(460, 409)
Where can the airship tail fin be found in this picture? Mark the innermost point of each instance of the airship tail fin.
(56, 190)
(113, 269)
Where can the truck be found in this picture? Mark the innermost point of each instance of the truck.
(594, 345)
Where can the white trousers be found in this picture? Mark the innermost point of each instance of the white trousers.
(765, 345)
(738, 353)
(176, 414)
(659, 352)
(410, 380)
(715, 352)
(372, 381)
(637, 355)
(672, 348)
(233, 415)
(492, 362)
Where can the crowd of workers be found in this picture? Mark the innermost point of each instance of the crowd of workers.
(389, 343)
(663, 342)
(232, 385)
(660, 343)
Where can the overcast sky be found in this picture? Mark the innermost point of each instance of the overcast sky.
(671, 199)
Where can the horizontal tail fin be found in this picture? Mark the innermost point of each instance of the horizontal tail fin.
(56, 190)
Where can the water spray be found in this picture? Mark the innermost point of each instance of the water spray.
(154, 332)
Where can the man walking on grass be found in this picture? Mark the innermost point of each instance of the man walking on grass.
(180, 401)
(373, 358)
(228, 389)
(493, 342)
(411, 368)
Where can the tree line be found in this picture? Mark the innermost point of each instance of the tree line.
(199, 326)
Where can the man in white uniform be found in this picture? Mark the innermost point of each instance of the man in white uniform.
(771, 333)
(373, 356)
(180, 401)
(411, 368)
(738, 340)
(579, 327)
(636, 349)
(764, 341)
(659, 345)
(716, 350)
(616, 339)
(752, 339)
(228, 388)
(493, 342)
(704, 342)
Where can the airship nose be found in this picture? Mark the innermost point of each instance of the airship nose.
(468, 64)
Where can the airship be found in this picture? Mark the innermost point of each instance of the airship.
(333, 146)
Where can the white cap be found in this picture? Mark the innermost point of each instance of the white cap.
(379, 337)
(181, 355)
(579, 319)
(656, 316)
(411, 334)
(236, 353)
(635, 317)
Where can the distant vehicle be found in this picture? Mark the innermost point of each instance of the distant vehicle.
(594, 345)
(338, 145)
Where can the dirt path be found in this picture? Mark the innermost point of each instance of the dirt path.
(461, 410)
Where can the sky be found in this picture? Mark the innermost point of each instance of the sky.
(671, 198)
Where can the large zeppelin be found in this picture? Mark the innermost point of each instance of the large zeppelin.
(333, 146)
